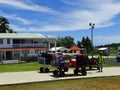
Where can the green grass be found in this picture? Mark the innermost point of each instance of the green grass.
(19, 67)
(114, 52)
(110, 59)
(106, 65)
(109, 83)
(33, 66)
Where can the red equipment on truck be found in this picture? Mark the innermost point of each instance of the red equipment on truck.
(62, 64)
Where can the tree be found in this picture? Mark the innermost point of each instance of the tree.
(87, 44)
(79, 44)
(11, 31)
(67, 41)
(59, 42)
(83, 42)
(4, 26)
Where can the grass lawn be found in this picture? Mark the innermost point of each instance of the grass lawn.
(33, 66)
(19, 67)
(109, 83)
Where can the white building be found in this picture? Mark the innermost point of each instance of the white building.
(14, 46)
(104, 51)
(59, 49)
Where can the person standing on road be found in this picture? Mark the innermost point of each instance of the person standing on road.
(100, 63)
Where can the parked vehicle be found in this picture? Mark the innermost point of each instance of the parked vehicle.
(45, 59)
(93, 62)
(62, 63)
(118, 58)
(118, 55)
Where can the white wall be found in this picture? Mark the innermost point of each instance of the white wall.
(5, 45)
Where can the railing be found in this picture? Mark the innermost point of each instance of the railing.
(29, 45)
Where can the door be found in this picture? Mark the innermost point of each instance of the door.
(8, 55)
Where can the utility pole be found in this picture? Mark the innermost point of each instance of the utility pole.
(92, 25)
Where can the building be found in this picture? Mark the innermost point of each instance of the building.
(59, 49)
(15, 46)
(75, 49)
(105, 51)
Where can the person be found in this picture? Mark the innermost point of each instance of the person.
(100, 63)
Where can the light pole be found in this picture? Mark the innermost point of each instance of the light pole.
(92, 25)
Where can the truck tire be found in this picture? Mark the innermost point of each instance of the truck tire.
(76, 71)
(90, 67)
(41, 69)
(83, 71)
(65, 69)
(55, 73)
(46, 70)
(61, 74)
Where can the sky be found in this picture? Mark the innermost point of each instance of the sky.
(65, 18)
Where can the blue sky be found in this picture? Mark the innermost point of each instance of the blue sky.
(65, 18)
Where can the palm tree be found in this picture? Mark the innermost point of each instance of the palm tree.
(4, 25)
(11, 31)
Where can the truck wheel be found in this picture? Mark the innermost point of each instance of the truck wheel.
(76, 71)
(55, 73)
(90, 67)
(65, 69)
(41, 69)
(46, 69)
(61, 74)
(83, 71)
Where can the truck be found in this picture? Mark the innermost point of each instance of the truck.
(63, 64)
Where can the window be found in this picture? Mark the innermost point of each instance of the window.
(1, 41)
(25, 52)
(8, 41)
(36, 51)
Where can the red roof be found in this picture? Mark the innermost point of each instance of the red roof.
(10, 49)
(75, 48)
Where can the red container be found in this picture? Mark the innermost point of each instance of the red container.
(73, 62)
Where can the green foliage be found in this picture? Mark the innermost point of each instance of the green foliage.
(67, 41)
(4, 26)
(113, 45)
(86, 43)
(79, 44)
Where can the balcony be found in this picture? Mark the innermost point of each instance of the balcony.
(35, 45)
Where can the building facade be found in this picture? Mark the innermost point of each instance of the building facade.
(14, 46)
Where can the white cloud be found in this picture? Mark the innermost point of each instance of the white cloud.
(106, 39)
(27, 6)
(101, 13)
(17, 28)
(71, 2)
(24, 21)
(16, 18)
(24, 29)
